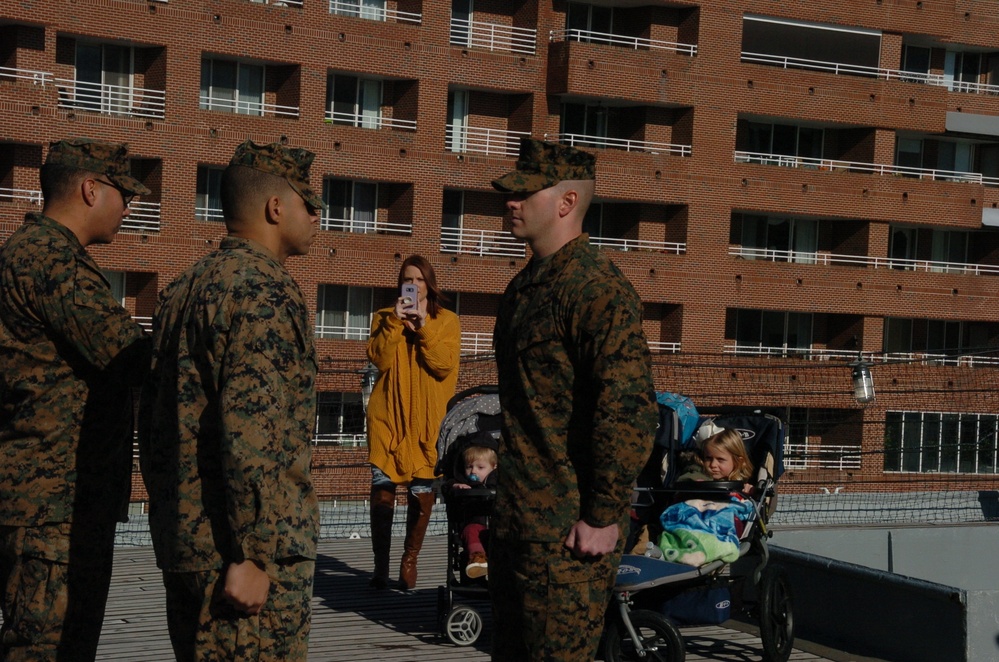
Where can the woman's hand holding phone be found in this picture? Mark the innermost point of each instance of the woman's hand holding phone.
(407, 308)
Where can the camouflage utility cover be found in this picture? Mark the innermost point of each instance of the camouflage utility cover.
(101, 158)
(578, 400)
(289, 163)
(226, 416)
(68, 354)
(542, 165)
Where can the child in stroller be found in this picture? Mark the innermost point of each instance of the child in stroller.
(480, 463)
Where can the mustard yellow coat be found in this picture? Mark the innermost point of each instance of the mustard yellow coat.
(418, 375)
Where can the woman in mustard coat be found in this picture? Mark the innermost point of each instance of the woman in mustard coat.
(416, 349)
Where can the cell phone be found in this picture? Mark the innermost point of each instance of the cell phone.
(409, 294)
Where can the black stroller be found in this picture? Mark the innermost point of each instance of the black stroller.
(473, 416)
(647, 587)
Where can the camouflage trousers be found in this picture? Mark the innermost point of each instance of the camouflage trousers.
(55, 580)
(548, 606)
(204, 627)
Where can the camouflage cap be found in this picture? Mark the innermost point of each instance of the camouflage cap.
(106, 159)
(543, 164)
(290, 163)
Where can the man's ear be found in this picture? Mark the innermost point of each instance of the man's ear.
(88, 189)
(274, 209)
(567, 202)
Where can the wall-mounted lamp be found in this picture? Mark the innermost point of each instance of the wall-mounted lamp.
(863, 383)
(369, 375)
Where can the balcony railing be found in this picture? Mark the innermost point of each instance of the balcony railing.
(617, 244)
(470, 139)
(822, 354)
(373, 13)
(244, 107)
(11, 194)
(208, 214)
(475, 344)
(345, 439)
(484, 243)
(924, 78)
(821, 456)
(806, 257)
(345, 332)
(603, 142)
(279, 3)
(493, 37)
(35, 77)
(364, 227)
(660, 347)
(621, 40)
(142, 217)
(145, 322)
(113, 99)
(857, 167)
(369, 121)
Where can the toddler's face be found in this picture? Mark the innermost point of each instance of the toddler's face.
(478, 468)
(718, 462)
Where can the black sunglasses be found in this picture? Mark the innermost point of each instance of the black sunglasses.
(126, 196)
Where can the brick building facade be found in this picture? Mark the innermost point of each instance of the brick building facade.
(786, 186)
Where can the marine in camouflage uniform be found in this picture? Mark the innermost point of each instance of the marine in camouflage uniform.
(69, 355)
(579, 410)
(226, 421)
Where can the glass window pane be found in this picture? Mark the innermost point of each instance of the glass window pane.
(949, 438)
(911, 441)
(931, 443)
(747, 330)
(593, 221)
(251, 89)
(369, 103)
(785, 140)
(760, 138)
(893, 441)
(967, 452)
(365, 204)
(987, 444)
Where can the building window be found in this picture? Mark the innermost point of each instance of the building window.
(935, 338)
(962, 71)
(117, 280)
(353, 206)
(344, 312)
(355, 101)
(772, 332)
(452, 217)
(207, 199)
(780, 239)
(933, 442)
(339, 419)
(370, 9)
(587, 120)
(915, 60)
(785, 140)
(232, 87)
(104, 77)
(589, 19)
(593, 222)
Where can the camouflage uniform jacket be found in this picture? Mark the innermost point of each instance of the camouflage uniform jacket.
(227, 414)
(68, 355)
(575, 381)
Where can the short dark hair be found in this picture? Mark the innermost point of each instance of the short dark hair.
(59, 181)
(244, 188)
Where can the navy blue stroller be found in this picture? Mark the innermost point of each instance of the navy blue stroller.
(653, 595)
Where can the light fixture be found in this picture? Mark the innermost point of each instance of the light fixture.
(863, 383)
(369, 375)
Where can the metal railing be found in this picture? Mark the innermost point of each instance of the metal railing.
(342, 332)
(475, 344)
(484, 243)
(145, 322)
(838, 68)
(35, 77)
(363, 227)
(369, 121)
(621, 40)
(825, 259)
(279, 3)
(821, 354)
(660, 347)
(493, 37)
(113, 99)
(345, 439)
(618, 244)
(471, 139)
(811, 163)
(821, 456)
(243, 107)
(373, 13)
(581, 140)
(11, 194)
(208, 214)
(142, 217)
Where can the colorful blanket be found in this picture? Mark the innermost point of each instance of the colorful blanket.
(698, 531)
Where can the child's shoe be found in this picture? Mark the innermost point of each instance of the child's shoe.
(477, 565)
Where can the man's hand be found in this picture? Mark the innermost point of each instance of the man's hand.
(585, 540)
(246, 586)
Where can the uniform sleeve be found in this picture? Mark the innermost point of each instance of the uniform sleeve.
(386, 334)
(440, 345)
(77, 305)
(255, 411)
(612, 348)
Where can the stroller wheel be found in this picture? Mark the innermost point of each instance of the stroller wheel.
(463, 626)
(776, 615)
(658, 639)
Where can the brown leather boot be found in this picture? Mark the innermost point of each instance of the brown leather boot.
(417, 519)
(382, 507)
